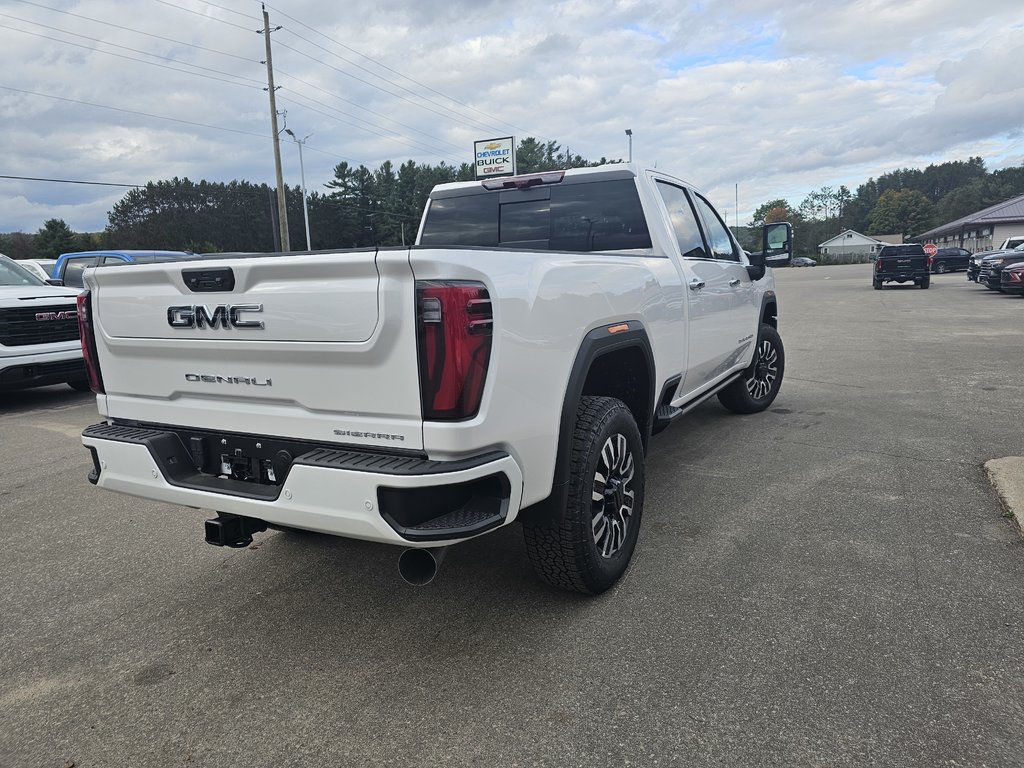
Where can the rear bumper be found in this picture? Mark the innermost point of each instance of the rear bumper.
(902, 277)
(401, 500)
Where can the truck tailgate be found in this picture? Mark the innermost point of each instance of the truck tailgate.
(311, 347)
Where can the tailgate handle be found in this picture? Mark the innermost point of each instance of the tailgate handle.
(209, 280)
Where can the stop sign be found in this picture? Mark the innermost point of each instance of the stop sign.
(931, 249)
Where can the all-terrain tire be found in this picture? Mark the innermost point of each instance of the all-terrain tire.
(926, 281)
(756, 389)
(876, 284)
(590, 547)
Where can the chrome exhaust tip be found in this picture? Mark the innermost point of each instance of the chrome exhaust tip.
(418, 567)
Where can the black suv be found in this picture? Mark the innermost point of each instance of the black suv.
(950, 260)
(901, 264)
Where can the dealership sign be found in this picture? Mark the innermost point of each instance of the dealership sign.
(495, 157)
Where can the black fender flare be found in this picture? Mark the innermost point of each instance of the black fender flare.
(769, 309)
(598, 342)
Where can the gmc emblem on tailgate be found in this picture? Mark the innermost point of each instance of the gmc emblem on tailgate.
(223, 315)
(65, 315)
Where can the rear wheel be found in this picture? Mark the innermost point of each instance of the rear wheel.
(941, 268)
(876, 284)
(756, 389)
(925, 282)
(590, 547)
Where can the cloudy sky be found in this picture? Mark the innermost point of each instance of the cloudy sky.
(779, 98)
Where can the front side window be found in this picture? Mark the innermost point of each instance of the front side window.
(15, 274)
(684, 223)
(722, 246)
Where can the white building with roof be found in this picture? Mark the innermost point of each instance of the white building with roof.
(851, 247)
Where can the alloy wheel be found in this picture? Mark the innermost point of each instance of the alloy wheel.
(765, 372)
(613, 495)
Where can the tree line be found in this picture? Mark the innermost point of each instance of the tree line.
(361, 207)
(908, 201)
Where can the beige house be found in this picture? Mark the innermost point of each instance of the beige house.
(983, 230)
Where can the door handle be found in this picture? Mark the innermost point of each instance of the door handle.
(696, 284)
(733, 283)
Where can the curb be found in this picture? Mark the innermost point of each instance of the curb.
(1007, 476)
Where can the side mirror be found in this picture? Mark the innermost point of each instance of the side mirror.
(777, 244)
(52, 281)
(755, 267)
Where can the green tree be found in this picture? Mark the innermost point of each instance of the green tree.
(55, 238)
(773, 211)
(17, 245)
(904, 211)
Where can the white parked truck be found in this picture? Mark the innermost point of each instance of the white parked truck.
(38, 332)
(510, 366)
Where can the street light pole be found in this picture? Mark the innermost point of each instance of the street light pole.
(629, 132)
(302, 171)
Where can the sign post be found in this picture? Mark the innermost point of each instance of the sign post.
(494, 157)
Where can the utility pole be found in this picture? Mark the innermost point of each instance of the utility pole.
(302, 170)
(282, 209)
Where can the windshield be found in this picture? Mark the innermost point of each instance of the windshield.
(12, 274)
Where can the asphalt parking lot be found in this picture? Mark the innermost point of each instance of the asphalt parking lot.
(832, 582)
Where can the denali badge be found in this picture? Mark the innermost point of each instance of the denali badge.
(224, 315)
(228, 379)
(65, 315)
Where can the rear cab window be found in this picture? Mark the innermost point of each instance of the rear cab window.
(600, 215)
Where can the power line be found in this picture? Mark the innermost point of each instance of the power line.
(365, 109)
(132, 112)
(135, 31)
(448, 116)
(382, 66)
(72, 181)
(140, 61)
(210, 18)
(401, 140)
(255, 83)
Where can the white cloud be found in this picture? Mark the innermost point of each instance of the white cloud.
(780, 99)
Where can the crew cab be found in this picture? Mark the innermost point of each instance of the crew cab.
(901, 264)
(39, 341)
(511, 366)
(70, 267)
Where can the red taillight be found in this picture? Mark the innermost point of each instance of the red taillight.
(454, 322)
(878, 266)
(85, 330)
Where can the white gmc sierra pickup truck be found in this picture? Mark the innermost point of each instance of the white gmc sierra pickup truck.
(512, 365)
(38, 332)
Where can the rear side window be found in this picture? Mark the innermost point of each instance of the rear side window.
(595, 216)
(684, 223)
(73, 269)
